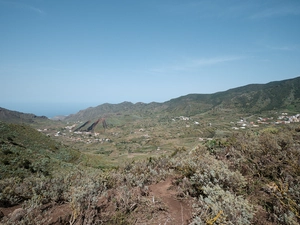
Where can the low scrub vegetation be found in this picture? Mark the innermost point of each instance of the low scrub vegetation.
(250, 177)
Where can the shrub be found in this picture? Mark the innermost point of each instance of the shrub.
(222, 207)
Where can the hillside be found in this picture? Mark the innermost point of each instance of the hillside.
(25, 152)
(254, 98)
(247, 178)
(19, 117)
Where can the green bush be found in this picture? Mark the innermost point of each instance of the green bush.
(224, 206)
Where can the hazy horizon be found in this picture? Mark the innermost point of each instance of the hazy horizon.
(83, 54)
(64, 109)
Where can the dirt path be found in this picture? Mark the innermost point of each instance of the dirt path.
(179, 211)
(161, 206)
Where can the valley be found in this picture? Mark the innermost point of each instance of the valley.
(150, 137)
(197, 159)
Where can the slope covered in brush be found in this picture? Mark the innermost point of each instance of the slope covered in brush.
(25, 151)
(248, 178)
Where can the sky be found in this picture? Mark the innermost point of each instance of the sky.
(58, 57)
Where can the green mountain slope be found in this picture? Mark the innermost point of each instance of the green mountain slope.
(117, 113)
(284, 95)
(25, 151)
(253, 98)
(19, 117)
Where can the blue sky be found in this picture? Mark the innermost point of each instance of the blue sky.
(57, 57)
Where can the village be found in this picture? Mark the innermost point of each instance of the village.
(70, 134)
(284, 118)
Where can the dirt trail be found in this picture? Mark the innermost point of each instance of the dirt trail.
(179, 211)
(162, 207)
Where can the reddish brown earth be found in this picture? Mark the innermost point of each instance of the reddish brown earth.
(179, 211)
(7, 211)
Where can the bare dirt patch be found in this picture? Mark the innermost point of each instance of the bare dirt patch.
(179, 210)
(9, 210)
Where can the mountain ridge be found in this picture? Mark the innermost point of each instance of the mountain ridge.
(12, 116)
(252, 98)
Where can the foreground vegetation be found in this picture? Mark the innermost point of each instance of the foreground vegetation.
(247, 177)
